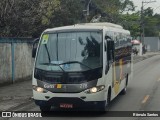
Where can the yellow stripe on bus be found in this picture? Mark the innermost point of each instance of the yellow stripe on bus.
(121, 70)
(59, 86)
(116, 82)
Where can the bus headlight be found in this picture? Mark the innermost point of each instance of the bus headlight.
(39, 89)
(95, 89)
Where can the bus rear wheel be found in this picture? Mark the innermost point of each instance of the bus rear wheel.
(123, 92)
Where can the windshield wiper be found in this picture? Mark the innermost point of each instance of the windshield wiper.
(53, 65)
(49, 58)
(70, 62)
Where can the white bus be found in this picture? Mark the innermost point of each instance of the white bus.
(81, 66)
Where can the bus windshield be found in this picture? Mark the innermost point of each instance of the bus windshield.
(70, 51)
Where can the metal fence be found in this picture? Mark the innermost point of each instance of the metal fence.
(152, 44)
(16, 61)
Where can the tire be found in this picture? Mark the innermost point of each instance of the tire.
(106, 106)
(124, 91)
(108, 100)
(45, 108)
(103, 109)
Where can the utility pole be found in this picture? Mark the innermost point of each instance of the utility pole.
(142, 32)
(87, 10)
(88, 7)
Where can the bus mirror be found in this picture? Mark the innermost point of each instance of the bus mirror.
(34, 47)
(82, 53)
(105, 45)
(107, 37)
(106, 69)
(34, 52)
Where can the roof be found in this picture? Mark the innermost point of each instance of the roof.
(86, 26)
(106, 24)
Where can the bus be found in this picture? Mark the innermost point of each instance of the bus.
(81, 66)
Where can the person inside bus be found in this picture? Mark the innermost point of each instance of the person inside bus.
(93, 47)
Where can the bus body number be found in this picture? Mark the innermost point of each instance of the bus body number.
(83, 86)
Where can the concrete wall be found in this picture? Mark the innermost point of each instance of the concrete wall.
(153, 43)
(23, 61)
(21, 67)
(5, 63)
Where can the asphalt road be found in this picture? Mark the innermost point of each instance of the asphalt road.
(143, 94)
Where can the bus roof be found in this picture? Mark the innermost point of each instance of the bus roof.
(86, 26)
(106, 24)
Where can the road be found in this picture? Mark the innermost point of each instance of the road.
(143, 94)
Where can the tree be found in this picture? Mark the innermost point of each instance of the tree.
(28, 18)
(112, 9)
(151, 23)
(69, 13)
(131, 22)
(19, 18)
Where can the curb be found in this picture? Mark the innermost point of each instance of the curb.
(144, 57)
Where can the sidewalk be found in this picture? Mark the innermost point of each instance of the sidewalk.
(144, 56)
(19, 94)
(14, 95)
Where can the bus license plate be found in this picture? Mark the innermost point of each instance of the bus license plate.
(65, 105)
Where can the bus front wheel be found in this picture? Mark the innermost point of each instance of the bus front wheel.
(45, 108)
(105, 108)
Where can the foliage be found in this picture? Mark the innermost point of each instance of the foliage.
(131, 22)
(150, 21)
(18, 18)
(28, 18)
(112, 9)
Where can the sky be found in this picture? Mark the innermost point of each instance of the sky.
(155, 5)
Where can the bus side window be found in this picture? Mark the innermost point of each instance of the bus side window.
(110, 48)
(109, 52)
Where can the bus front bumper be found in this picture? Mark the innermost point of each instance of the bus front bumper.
(76, 103)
